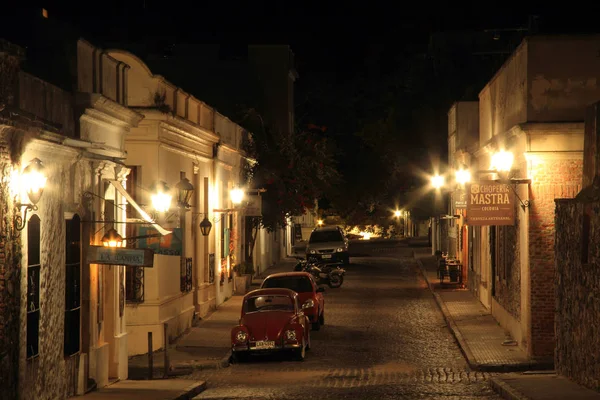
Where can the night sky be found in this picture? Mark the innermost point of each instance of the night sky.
(359, 63)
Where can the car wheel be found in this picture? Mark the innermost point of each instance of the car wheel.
(300, 353)
(316, 325)
(322, 318)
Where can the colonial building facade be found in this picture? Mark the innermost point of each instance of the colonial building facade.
(533, 110)
(65, 330)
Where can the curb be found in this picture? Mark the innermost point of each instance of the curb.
(192, 391)
(464, 348)
(505, 390)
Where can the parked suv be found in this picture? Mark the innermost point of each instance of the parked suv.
(328, 243)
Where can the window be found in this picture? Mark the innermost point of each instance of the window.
(299, 285)
(134, 276)
(72, 285)
(33, 286)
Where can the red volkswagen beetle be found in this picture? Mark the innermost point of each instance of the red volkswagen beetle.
(310, 295)
(271, 320)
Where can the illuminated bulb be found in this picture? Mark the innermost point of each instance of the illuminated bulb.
(437, 181)
(463, 176)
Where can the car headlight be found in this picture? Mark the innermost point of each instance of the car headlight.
(312, 251)
(241, 336)
(340, 249)
(290, 335)
(308, 304)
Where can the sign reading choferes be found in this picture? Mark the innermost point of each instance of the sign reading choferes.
(490, 203)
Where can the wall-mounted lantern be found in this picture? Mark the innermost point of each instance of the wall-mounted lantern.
(184, 192)
(161, 199)
(205, 226)
(236, 195)
(112, 239)
(33, 179)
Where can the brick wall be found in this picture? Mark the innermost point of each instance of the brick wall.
(577, 291)
(9, 287)
(552, 179)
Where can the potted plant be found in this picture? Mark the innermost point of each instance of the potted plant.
(243, 277)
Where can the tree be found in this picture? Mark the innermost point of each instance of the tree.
(295, 169)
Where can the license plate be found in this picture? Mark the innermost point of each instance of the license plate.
(264, 344)
(326, 255)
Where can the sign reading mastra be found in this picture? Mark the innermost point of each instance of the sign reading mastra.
(490, 203)
(120, 256)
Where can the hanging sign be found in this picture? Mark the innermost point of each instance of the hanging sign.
(490, 203)
(120, 256)
(166, 245)
(253, 207)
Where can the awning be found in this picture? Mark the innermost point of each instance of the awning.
(135, 205)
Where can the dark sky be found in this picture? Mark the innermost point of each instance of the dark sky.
(346, 50)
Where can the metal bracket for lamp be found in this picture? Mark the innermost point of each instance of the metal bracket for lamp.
(20, 221)
(513, 181)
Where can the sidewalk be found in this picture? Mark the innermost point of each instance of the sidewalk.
(206, 345)
(160, 389)
(479, 335)
(481, 340)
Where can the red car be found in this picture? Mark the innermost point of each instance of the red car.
(310, 294)
(272, 320)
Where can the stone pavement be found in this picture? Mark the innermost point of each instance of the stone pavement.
(206, 345)
(160, 389)
(481, 339)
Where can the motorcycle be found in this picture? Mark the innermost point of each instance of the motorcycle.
(330, 274)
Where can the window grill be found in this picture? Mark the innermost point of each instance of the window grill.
(186, 275)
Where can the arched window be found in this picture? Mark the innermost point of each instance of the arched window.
(33, 286)
(72, 285)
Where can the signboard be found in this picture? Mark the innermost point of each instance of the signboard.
(460, 199)
(490, 203)
(120, 256)
(253, 206)
(167, 245)
(297, 232)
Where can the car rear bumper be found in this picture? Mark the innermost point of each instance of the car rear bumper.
(245, 348)
(335, 257)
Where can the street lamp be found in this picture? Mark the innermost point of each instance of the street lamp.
(161, 199)
(397, 213)
(320, 222)
(205, 226)
(34, 180)
(112, 239)
(502, 161)
(437, 181)
(463, 176)
(184, 192)
(236, 195)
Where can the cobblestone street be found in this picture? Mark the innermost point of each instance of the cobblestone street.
(384, 337)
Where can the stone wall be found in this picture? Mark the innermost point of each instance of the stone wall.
(577, 291)
(9, 285)
(552, 179)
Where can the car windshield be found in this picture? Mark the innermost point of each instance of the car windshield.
(268, 303)
(325, 236)
(296, 283)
